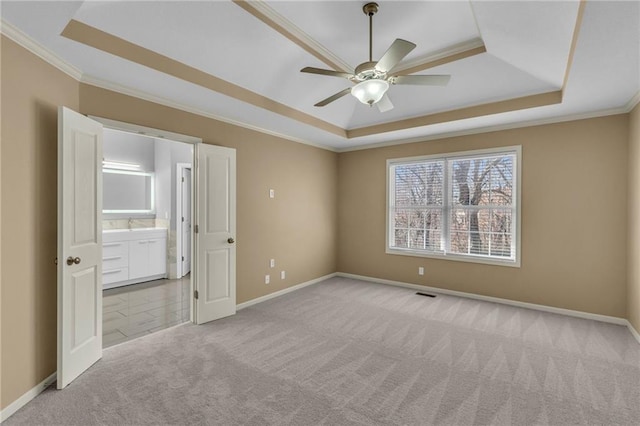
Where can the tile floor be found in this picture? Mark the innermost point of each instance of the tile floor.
(135, 310)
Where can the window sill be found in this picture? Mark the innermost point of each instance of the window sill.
(454, 257)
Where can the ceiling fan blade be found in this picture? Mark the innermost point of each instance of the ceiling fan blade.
(334, 97)
(384, 104)
(422, 80)
(398, 50)
(321, 71)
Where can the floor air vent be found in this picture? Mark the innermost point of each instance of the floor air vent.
(425, 294)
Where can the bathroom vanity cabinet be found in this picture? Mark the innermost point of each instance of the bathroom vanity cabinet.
(133, 256)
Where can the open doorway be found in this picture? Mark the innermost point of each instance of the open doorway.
(146, 195)
(81, 246)
(183, 209)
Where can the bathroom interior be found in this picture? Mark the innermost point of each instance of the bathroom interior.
(146, 235)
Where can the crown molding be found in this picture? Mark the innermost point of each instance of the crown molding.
(633, 102)
(16, 35)
(22, 39)
(128, 91)
(261, 10)
(496, 128)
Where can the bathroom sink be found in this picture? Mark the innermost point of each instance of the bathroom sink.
(112, 235)
(109, 231)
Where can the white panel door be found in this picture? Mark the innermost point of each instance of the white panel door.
(186, 221)
(79, 244)
(215, 250)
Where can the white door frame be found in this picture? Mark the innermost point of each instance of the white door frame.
(162, 134)
(179, 168)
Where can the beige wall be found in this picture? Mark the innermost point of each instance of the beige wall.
(327, 207)
(31, 93)
(633, 256)
(297, 228)
(574, 180)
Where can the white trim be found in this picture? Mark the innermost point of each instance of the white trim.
(150, 132)
(19, 37)
(24, 40)
(534, 306)
(633, 331)
(26, 397)
(446, 159)
(269, 12)
(633, 102)
(36, 390)
(283, 291)
(179, 194)
(103, 84)
(494, 128)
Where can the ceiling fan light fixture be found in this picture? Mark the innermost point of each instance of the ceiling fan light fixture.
(370, 91)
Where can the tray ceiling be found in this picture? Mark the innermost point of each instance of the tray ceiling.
(510, 62)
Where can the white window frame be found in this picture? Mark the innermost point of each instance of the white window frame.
(446, 255)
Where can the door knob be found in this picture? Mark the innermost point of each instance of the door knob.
(231, 240)
(71, 260)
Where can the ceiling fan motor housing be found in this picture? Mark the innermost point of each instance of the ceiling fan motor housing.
(372, 78)
(368, 71)
(370, 9)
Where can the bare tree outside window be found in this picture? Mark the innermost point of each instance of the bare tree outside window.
(419, 204)
(454, 205)
(482, 201)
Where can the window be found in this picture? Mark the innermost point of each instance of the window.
(461, 206)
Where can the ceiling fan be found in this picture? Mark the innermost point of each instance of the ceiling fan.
(373, 78)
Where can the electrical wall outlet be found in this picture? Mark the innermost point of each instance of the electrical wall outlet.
(420, 270)
(282, 275)
(267, 279)
(272, 263)
(272, 193)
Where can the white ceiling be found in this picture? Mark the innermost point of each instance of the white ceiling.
(528, 46)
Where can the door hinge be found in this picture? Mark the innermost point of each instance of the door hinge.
(183, 258)
(183, 219)
(195, 229)
(195, 294)
(183, 179)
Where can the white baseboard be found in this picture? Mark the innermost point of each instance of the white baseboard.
(633, 331)
(28, 396)
(283, 291)
(562, 311)
(36, 390)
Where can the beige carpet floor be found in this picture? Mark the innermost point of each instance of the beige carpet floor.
(346, 352)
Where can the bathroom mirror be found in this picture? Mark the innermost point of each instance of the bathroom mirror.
(125, 191)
